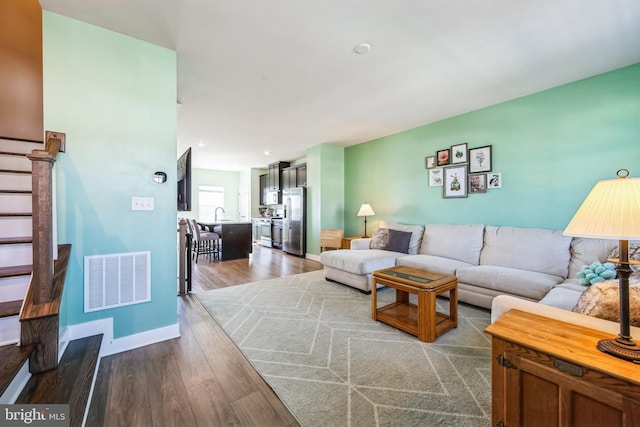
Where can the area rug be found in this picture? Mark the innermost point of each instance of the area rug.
(316, 345)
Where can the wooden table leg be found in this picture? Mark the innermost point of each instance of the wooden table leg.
(453, 306)
(402, 296)
(374, 302)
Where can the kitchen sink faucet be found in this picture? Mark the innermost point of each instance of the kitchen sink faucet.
(216, 212)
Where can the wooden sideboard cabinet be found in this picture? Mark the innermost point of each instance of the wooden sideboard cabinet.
(548, 373)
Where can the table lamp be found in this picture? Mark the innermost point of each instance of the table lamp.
(612, 211)
(365, 211)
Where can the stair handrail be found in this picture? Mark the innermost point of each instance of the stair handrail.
(39, 316)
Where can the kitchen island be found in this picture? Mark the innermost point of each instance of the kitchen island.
(236, 238)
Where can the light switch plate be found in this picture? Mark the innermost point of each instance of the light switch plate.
(142, 204)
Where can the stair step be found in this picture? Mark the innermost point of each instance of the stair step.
(10, 308)
(16, 191)
(14, 240)
(26, 172)
(70, 383)
(16, 270)
(11, 153)
(10, 214)
(20, 147)
(12, 357)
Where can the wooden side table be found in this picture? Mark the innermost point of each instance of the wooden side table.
(346, 241)
(546, 372)
(421, 320)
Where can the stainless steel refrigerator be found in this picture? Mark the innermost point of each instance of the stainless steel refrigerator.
(294, 224)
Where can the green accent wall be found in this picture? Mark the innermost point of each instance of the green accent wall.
(325, 192)
(115, 98)
(551, 148)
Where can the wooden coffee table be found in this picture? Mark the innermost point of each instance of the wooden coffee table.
(421, 320)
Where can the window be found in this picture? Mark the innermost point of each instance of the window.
(210, 198)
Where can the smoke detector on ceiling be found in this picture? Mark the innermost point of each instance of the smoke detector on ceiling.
(362, 48)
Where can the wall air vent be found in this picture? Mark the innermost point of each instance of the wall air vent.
(116, 280)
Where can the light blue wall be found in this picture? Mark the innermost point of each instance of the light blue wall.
(114, 97)
(551, 148)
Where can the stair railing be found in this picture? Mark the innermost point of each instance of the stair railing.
(39, 317)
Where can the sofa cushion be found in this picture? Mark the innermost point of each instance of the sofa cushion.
(586, 251)
(416, 234)
(379, 238)
(460, 242)
(529, 284)
(533, 249)
(562, 297)
(398, 241)
(359, 262)
(432, 263)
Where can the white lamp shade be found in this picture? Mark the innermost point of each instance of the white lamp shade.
(365, 210)
(610, 211)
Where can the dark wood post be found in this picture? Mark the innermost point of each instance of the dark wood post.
(42, 225)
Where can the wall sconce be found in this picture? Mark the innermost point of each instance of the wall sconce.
(160, 177)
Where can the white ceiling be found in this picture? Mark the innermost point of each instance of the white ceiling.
(282, 75)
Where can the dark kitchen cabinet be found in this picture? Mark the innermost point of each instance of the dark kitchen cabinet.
(275, 175)
(295, 176)
(263, 189)
(301, 176)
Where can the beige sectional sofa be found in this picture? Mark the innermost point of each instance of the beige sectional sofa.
(528, 263)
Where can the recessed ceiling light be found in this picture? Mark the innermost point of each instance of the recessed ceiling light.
(362, 48)
(266, 152)
(201, 144)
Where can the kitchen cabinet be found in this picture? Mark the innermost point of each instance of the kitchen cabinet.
(301, 176)
(546, 372)
(289, 178)
(295, 176)
(263, 188)
(275, 175)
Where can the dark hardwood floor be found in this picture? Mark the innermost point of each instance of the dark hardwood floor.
(201, 378)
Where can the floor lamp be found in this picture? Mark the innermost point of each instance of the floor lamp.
(612, 211)
(365, 211)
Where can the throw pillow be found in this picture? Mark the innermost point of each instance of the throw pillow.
(398, 241)
(603, 300)
(634, 251)
(379, 238)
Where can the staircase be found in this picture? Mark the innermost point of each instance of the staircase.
(30, 370)
(15, 233)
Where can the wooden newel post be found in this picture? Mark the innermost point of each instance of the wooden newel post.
(42, 225)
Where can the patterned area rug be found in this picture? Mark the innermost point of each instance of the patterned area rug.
(316, 345)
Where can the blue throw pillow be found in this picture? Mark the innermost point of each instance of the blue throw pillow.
(398, 241)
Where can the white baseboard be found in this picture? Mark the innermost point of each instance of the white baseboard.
(313, 257)
(112, 345)
(130, 342)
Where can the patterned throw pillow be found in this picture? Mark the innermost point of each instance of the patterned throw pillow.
(603, 300)
(634, 251)
(379, 239)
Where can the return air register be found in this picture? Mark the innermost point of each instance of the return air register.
(116, 280)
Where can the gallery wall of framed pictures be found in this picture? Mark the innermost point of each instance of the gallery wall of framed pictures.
(461, 170)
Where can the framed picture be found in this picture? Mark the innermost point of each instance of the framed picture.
(430, 161)
(459, 154)
(480, 159)
(442, 157)
(435, 178)
(494, 180)
(455, 183)
(478, 183)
